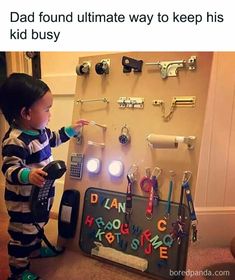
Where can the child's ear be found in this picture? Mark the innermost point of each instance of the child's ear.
(25, 114)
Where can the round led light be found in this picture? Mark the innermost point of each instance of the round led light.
(93, 165)
(116, 168)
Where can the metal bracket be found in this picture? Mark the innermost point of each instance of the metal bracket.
(170, 68)
(192, 63)
(157, 102)
(104, 126)
(188, 140)
(184, 101)
(131, 102)
(131, 63)
(95, 144)
(93, 100)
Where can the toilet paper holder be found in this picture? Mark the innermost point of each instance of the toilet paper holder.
(167, 141)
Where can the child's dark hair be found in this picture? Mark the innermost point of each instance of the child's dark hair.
(18, 91)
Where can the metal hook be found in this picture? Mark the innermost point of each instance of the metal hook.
(158, 170)
(132, 173)
(186, 177)
(133, 169)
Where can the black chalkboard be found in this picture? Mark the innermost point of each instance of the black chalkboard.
(148, 246)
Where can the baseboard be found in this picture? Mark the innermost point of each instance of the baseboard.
(216, 226)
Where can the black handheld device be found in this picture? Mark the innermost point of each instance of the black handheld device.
(39, 198)
(40, 201)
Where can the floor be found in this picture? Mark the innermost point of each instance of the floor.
(73, 265)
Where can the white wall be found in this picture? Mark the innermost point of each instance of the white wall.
(215, 191)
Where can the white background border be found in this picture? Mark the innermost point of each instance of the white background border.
(122, 36)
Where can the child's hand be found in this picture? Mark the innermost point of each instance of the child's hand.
(79, 124)
(36, 177)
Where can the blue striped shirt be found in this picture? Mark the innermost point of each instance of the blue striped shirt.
(23, 151)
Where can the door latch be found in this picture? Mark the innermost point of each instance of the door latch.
(171, 68)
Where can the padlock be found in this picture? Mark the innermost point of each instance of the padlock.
(125, 137)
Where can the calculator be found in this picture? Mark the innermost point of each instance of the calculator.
(76, 165)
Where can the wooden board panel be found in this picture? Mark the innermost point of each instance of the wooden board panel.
(141, 122)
